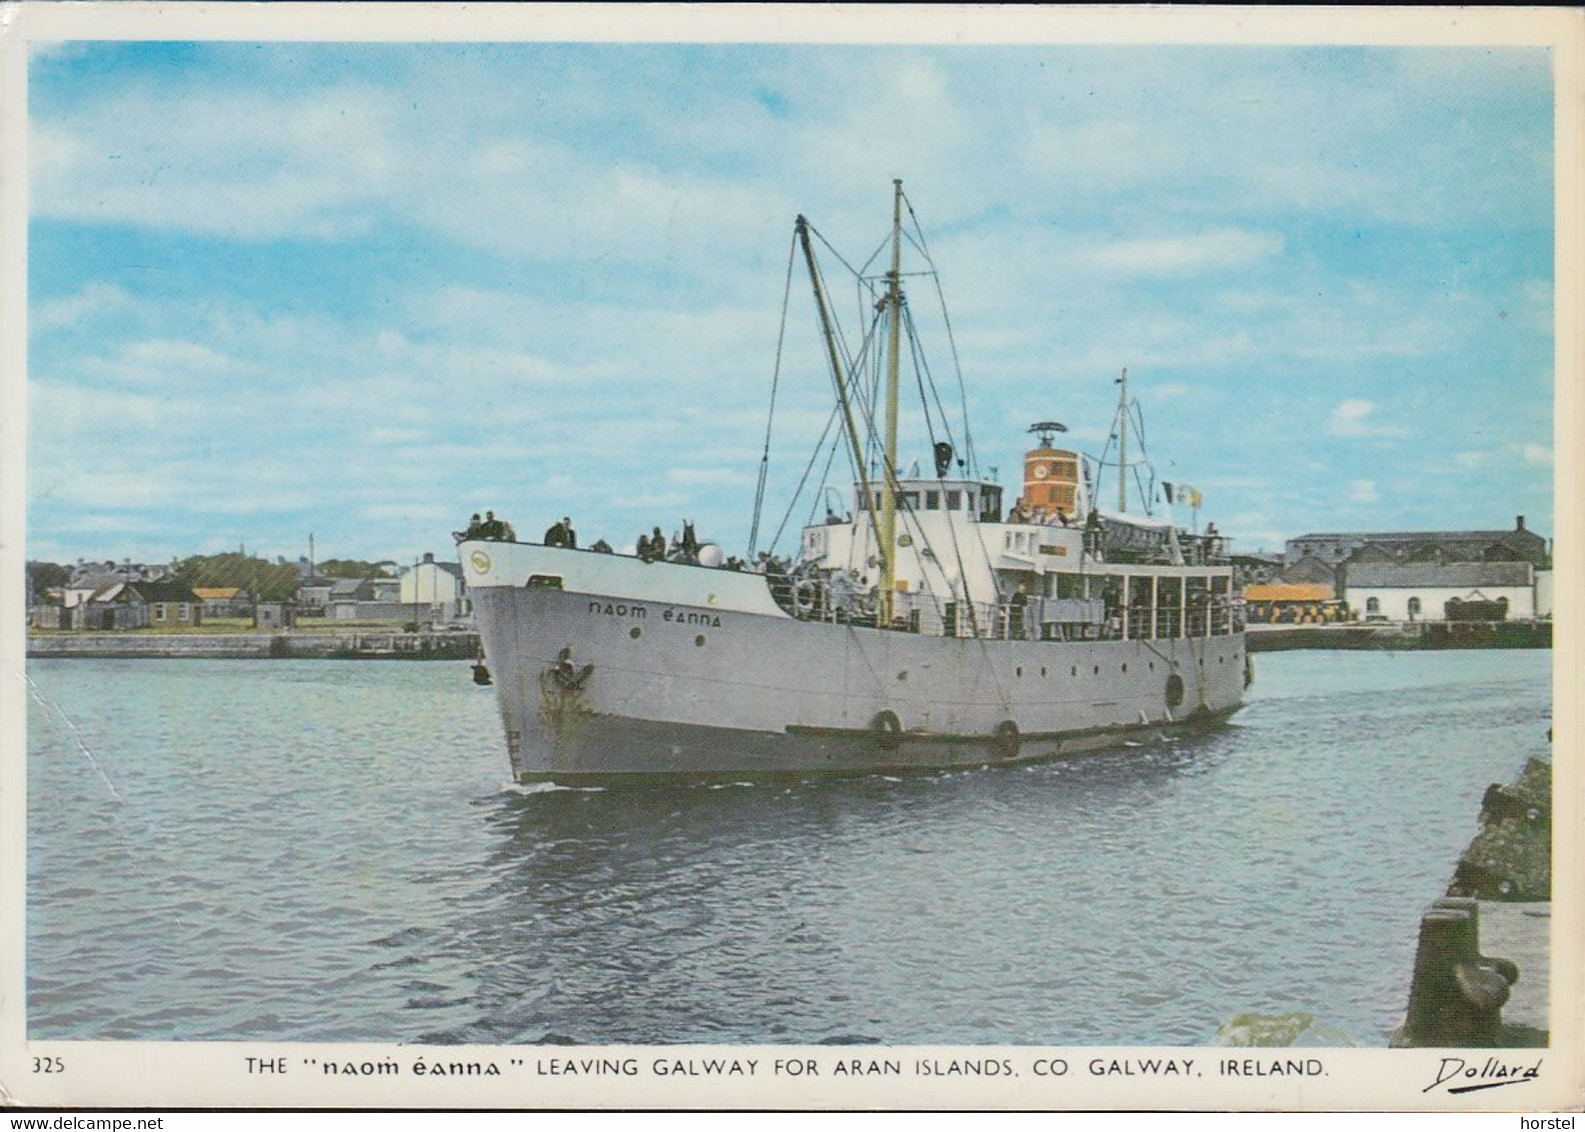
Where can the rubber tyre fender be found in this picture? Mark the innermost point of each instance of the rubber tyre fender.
(1008, 741)
(1175, 690)
(887, 730)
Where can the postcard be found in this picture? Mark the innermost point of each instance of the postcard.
(790, 557)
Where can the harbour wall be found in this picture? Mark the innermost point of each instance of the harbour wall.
(1482, 969)
(1403, 637)
(259, 646)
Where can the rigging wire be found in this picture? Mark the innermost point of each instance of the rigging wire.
(946, 319)
(920, 361)
(798, 491)
(770, 417)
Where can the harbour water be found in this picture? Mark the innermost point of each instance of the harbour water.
(330, 850)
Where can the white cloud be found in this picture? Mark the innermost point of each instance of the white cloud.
(436, 512)
(166, 355)
(1217, 250)
(708, 476)
(1472, 459)
(1363, 491)
(1537, 455)
(93, 301)
(1354, 417)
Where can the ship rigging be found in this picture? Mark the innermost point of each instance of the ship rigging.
(926, 625)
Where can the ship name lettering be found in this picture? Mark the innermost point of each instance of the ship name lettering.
(688, 617)
(704, 1067)
(619, 609)
(1144, 1067)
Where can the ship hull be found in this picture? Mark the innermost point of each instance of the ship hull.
(595, 689)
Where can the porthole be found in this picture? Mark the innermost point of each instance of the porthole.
(1125, 666)
(1042, 670)
(699, 641)
(1074, 671)
(635, 632)
(1097, 670)
(1019, 671)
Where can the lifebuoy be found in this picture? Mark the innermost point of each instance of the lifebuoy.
(1008, 741)
(1174, 690)
(888, 730)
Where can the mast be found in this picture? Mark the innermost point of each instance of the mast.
(1122, 444)
(894, 299)
(839, 376)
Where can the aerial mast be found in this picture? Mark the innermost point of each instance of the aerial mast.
(1122, 444)
(894, 300)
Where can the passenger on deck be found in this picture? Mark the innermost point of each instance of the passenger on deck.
(572, 535)
(556, 535)
(475, 527)
(492, 528)
(601, 547)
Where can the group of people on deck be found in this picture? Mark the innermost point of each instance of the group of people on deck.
(683, 548)
(652, 547)
(562, 534)
(489, 527)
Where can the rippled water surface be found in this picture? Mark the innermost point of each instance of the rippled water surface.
(319, 850)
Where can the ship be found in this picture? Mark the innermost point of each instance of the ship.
(921, 625)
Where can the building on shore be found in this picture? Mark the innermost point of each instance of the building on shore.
(1292, 603)
(137, 605)
(1423, 591)
(224, 601)
(1515, 545)
(435, 592)
(1413, 575)
(275, 615)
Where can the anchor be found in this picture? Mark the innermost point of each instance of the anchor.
(570, 677)
(561, 686)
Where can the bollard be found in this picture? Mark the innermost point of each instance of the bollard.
(1457, 994)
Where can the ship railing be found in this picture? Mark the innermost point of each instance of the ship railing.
(1018, 617)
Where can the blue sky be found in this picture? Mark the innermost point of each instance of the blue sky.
(364, 290)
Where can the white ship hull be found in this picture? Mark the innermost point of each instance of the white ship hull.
(672, 672)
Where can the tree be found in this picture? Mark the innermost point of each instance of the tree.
(348, 568)
(48, 575)
(265, 580)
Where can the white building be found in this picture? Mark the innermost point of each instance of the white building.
(1420, 591)
(435, 590)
